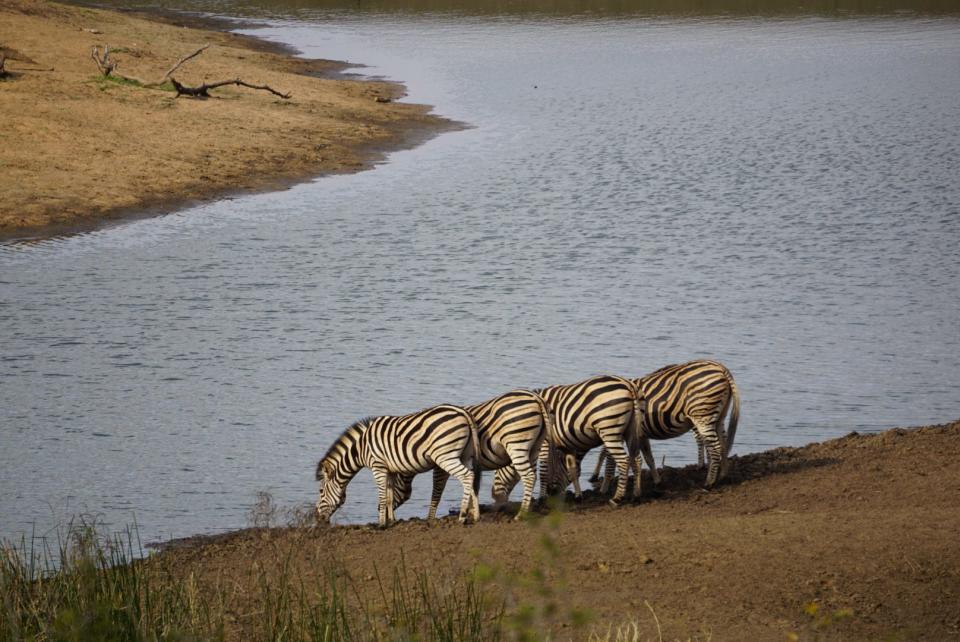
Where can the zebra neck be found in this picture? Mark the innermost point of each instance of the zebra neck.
(345, 456)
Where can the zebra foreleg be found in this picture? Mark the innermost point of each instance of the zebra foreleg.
(595, 477)
(636, 462)
(440, 477)
(572, 465)
(402, 489)
(384, 495)
(469, 503)
(651, 462)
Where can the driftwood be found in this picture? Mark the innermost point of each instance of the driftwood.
(104, 64)
(181, 61)
(203, 90)
(108, 67)
(10, 55)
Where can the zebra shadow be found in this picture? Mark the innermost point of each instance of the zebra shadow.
(677, 483)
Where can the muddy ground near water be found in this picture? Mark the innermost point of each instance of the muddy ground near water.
(865, 527)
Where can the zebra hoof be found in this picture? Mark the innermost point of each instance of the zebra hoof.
(614, 502)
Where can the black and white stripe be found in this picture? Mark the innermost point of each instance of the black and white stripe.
(601, 411)
(442, 438)
(690, 396)
(511, 429)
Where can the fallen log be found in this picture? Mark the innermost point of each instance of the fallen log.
(203, 91)
(181, 61)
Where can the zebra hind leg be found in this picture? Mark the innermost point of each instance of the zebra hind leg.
(617, 452)
(525, 468)
(609, 471)
(714, 448)
(701, 449)
(440, 477)
(469, 505)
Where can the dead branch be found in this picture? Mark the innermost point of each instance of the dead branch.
(104, 64)
(203, 90)
(181, 61)
(12, 54)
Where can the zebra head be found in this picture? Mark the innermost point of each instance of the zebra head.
(332, 493)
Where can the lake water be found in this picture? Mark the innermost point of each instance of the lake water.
(780, 193)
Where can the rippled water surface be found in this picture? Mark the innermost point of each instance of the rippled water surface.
(779, 194)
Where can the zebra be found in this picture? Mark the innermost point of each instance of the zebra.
(601, 411)
(694, 395)
(511, 429)
(440, 438)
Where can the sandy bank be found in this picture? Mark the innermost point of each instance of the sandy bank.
(864, 526)
(75, 149)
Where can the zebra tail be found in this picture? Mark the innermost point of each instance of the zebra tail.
(637, 418)
(734, 419)
(637, 421)
(319, 475)
(475, 443)
(549, 420)
(549, 467)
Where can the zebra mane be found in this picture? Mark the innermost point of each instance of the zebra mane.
(335, 451)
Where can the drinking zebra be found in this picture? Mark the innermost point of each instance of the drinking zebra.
(689, 396)
(510, 429)
(440, 438)
(601, 411)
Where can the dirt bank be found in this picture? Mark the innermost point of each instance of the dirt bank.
(864, 527)
(75, 148)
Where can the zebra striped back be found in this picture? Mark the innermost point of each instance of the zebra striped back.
(511, 429)
(517, 420)
(586, 410)
(603, 411)
(441, 436)
(693, 395)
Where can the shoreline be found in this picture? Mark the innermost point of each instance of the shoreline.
(852, 538)
(333, 122)
(862, 527)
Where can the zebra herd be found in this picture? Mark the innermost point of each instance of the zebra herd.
(550, 429)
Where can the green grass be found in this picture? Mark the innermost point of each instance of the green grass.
(92, 587)
(107, 82)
